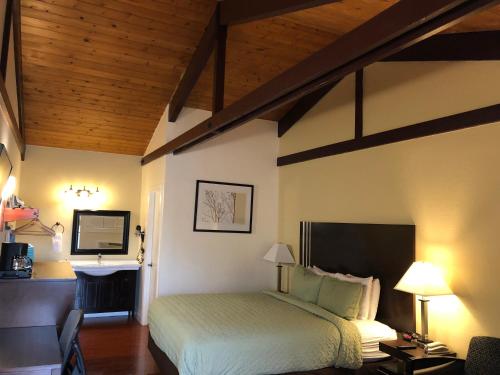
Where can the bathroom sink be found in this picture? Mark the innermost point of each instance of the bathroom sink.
(105, 267)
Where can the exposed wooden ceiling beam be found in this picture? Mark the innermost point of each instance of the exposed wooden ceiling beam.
(6, 38)
(400, 26)
(239, 11)
(358, 103)
(481, 116)
(18, 61)
(195, 67)
(227, 12)
(219, 69)
(301, 108)
(169, 147)
(480, 45)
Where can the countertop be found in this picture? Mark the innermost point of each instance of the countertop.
(48, 271)
(42, 300)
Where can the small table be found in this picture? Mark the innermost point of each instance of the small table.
(403, 364)
(30, 351)
(43, 300)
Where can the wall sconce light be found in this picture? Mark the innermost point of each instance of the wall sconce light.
(81, 193)
(83, 197)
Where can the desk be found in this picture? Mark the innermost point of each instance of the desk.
(30, 351)
(43, 300)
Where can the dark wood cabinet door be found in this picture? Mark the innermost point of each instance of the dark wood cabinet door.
(91, 296)
(127, 285)
(107, 294)
(115, 292)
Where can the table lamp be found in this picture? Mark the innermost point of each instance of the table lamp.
(280, 254)
(424, 280)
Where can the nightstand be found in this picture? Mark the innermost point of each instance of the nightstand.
(404, 364)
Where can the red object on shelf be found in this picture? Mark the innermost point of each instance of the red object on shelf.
(14, 214)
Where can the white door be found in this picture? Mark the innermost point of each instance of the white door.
(151, 253)
(153, 243)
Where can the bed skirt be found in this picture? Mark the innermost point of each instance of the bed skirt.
(166, 366)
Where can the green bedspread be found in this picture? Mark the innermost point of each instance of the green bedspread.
(261, 333)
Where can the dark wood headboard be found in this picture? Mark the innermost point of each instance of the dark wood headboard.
(384, 251)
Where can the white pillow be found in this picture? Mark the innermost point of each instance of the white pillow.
(375, 297)
(318, 271)
(366, 282)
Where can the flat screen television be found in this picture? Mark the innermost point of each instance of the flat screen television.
(5, 167)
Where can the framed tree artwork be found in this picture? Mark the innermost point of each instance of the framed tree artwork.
(223, 207)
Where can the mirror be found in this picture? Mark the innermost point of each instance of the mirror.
(5, 167)
(100, 232)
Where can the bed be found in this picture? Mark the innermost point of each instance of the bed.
(275, 333)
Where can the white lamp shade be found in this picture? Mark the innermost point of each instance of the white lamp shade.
(279, 253)
(424, 279)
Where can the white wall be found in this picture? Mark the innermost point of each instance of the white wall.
(196, 262)
(446, 184)
(49, 171)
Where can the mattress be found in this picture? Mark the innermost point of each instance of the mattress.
(372, 332)
(247, 334)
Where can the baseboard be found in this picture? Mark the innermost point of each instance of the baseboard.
(103, 315)
(138, 317)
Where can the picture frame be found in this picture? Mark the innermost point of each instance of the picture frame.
(223, 207)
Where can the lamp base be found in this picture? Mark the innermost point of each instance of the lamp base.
(279, 267)
(424, 316)
(423, 342)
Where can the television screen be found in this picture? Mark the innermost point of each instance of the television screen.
(5, 167)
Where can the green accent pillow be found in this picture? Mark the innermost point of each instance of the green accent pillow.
(340, 297)
(305, 284)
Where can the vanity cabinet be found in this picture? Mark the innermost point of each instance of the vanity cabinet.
(110, 293)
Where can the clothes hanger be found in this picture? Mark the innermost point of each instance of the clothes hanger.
(29, 230)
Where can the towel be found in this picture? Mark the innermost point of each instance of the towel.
(57, 242)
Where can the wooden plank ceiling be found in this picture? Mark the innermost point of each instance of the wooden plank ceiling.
(99, 73)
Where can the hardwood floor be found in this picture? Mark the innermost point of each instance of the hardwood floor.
(116, 346)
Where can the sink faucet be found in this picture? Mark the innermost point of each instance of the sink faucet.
(99, 258)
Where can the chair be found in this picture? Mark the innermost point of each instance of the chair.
(483, 358)
(70, 346)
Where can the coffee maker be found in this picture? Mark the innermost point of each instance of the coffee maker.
(14, 261)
